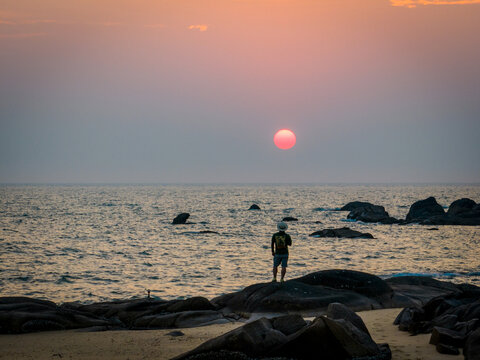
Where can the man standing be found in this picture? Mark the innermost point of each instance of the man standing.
(280, 242)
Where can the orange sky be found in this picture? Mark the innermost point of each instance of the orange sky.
(335, 67)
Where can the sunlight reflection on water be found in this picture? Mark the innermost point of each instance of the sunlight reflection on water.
(93, 243)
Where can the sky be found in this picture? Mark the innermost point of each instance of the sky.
(193, 91)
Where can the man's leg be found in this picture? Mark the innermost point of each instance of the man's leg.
(275, 270)
(284, 271)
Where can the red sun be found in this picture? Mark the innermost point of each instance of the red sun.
(285, 139)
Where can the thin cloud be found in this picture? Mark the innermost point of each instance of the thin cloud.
(108, 23)
(201, 27)
(22, 35)
(6, 22)
(156, 26)
(415, 3)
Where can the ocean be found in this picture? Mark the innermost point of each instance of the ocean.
(103, 242)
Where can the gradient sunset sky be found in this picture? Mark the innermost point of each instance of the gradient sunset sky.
(193, 91)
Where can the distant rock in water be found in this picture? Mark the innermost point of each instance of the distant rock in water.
(344, 232)
(254, 207)
(181, 218)
(355, 205)
(424, 209)
(289, 218)
(371, 214)
(429, 212)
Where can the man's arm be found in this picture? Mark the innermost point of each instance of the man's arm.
(289, 240)
(273, 245)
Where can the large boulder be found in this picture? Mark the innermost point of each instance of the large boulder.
(288, 324)
(424, 209)
(289, 218)
(311, 293)
(326, 338)
(181, 218)
(471, 351)
(371, 214)
(462, 206)
(338, 311)
(254, 207)
(355, 205)
(253, 339)
(344, 232)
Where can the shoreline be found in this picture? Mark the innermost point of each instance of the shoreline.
(156, 344)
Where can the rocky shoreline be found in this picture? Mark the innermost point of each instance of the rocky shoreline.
(308, 296)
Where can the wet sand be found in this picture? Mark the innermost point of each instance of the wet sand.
(156, 344)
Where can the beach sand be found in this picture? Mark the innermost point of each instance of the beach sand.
(156, 344)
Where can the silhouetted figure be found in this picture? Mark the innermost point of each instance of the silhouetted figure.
(280, 243)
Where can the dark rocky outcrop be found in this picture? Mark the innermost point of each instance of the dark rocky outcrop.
(332, 338)
(424, 209)
(339, 311)
(344, 232)
(20, 314)
(181, 219)
(471, 351)
(429, 212)
(312, 293)
(451, 318)
(371, 214)
(254, 207)
(289, 218)
(355, 205)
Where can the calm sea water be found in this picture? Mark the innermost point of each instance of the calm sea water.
(92, 243)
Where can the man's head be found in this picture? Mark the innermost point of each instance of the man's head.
(281, 226)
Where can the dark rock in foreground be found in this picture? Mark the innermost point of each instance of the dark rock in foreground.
(344, 232)
(471, 351)
(181, 218)
(254, 207)
(289, 218)
(452, 319)
(20, 314)
(325, 337)
(313, 293)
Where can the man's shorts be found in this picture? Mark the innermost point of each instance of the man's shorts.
(282, 258)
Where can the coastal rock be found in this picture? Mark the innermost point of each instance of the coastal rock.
(344, 232)
(421, 289)
(337, 311)
(253, 339)
(181, 218)
(311, 293)
(447, 337)
(333, 339)
(447, 349)
(254, 207)
(19, 315)
(22, 314)
(451, 318)
(190, 304)
(288, 324)
(355, 205)
(371, 214)
(424, 209)
(289, 218)
(462, 206)
(471, 351)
